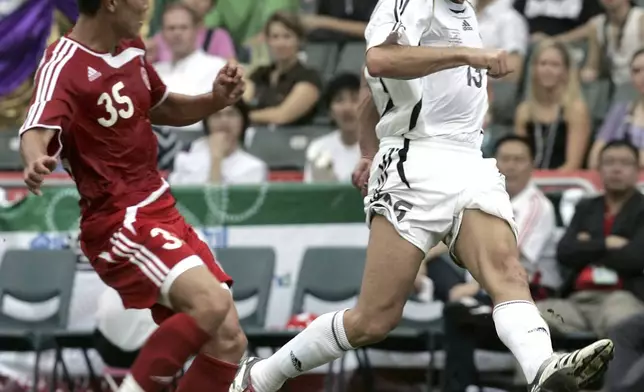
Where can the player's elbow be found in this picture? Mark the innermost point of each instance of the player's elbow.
(378, 62)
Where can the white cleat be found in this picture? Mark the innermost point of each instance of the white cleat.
(574, 371)
(242, 381)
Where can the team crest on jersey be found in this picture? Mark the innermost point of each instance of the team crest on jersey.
(146, 79)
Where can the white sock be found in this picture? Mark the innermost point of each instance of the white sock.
(323, 341)
(129, 385)
(522, 329)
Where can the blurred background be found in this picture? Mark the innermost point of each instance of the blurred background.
(267, 184)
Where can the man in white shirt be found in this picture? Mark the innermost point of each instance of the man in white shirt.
(427, 182)
(191, 70)
(333, 157)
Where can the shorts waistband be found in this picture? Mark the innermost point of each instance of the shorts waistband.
(431, 142)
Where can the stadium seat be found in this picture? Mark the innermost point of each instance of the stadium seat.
(9, 151)
(351, 58)
(185, 137)
(36, 277)
(504, 101)
(597, 96)
(624, 93)
(323, 57)
(284, 148)
(252, 269)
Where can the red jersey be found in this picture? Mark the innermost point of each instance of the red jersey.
(100, 103)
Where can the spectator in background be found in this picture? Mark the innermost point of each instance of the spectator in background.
(339, 20)
(502, 27)
(535, 218)
(626, 372)
(333, 157)
(218, 158)
(285, 92)
(554, 17)
(613, 39)
(602, 247)
(625, 120)
(214, 41)
(554, 117)
(190, 71)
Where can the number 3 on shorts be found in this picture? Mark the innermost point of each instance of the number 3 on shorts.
(172, 241)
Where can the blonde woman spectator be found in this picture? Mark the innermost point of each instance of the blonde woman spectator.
(554, 117)
(285, 92)
(625, 120)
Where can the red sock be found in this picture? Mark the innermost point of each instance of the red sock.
(208, 374)
(166, 351)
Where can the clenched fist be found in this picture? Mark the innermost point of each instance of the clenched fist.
(494, 60)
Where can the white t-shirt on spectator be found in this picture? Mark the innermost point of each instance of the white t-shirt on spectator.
(192, 75)
(193, 167)
(502, 27)
(535, 218)
(343, 158)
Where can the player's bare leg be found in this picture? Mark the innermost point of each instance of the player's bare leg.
(205, 311)
(391, 268)
(487, 246)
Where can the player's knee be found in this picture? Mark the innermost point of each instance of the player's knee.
(229, 342)
(209, 308)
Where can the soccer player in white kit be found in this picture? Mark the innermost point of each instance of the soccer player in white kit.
(428, 182)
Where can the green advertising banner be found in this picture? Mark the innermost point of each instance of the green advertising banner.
(57, 209)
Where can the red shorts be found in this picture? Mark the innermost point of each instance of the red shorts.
(141, 259)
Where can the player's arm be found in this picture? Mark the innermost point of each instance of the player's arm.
(393, 37)
(179, 110)
(368, 118)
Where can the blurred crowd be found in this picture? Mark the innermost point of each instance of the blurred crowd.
(575, 102)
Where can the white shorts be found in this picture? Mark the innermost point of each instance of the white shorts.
(422, 187)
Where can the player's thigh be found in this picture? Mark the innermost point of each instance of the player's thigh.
(484, 236)
(391, 268)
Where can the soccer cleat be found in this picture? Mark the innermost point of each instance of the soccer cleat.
(573, 371)
(242, 382)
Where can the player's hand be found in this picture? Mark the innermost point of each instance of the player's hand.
(616, 242)
(360, 176)
(35, 172)
(229, 86)
(494, 60)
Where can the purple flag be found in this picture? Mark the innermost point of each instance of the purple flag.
(23, 36)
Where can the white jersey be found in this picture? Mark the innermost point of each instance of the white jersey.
(449, 104)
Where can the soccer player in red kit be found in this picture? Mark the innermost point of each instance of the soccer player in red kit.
(93, 105)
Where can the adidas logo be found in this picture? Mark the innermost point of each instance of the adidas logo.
(466, 26)
(92, 74)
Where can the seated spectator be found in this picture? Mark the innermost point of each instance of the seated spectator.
(625, 120)
(626, 371)
(285, 92)
(502, 27)
(339, 20)
(602, 248)
(190, 70)
(554, 17)
(214, 41)
(614, 37)
(333, 157)
(554, 117)
(535, 218)
(218, 157)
